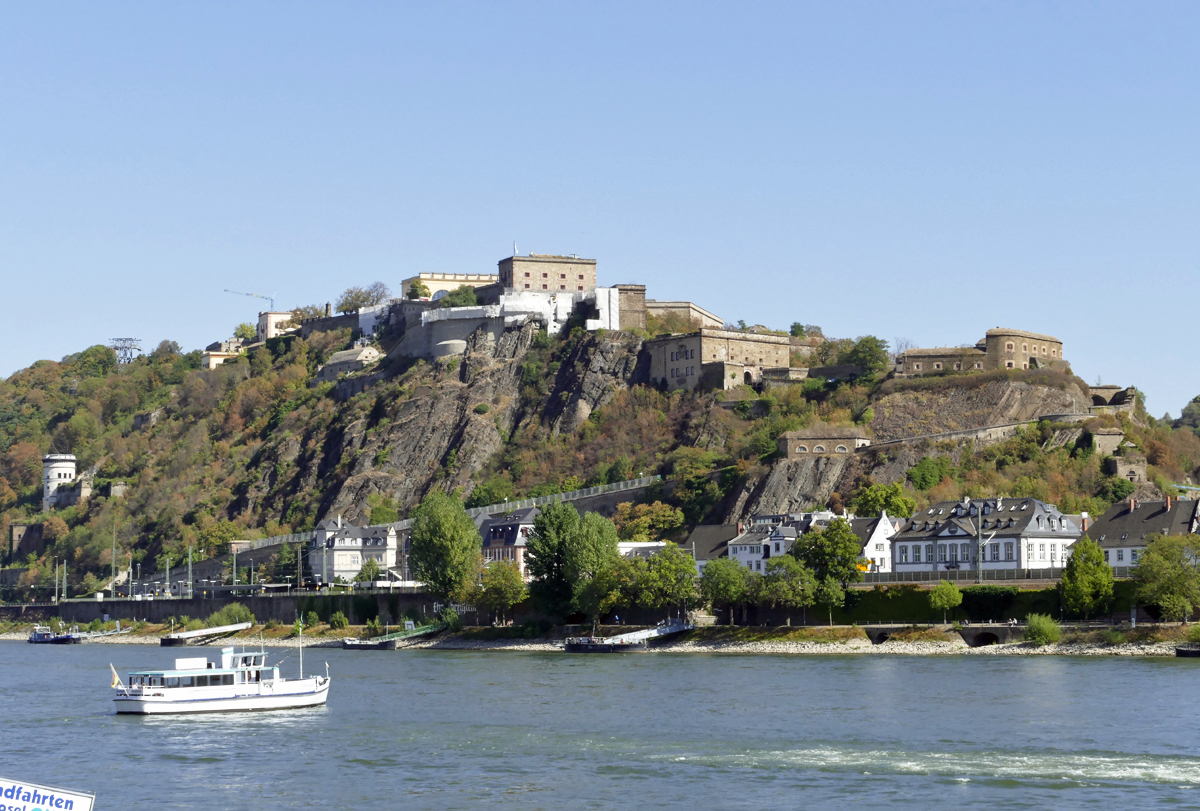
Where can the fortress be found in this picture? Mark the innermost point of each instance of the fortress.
(1000, 349)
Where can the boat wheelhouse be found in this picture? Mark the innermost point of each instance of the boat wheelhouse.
(238, 681)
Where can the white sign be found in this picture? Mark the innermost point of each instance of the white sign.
(19, 796)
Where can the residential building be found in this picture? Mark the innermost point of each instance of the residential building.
(709, 542)
(340, 549)
(505, 537)
(875, 535)
(759, 544)
(1018, 533)
(1124, 531)
(827, 440)
(220, 351)
(272, 325)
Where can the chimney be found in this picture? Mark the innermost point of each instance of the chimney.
(1086, 521)
(328, 310)
(1168, 503)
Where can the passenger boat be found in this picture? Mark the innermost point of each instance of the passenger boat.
(42, 635)
(239, 681)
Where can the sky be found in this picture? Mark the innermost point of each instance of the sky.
(919, 170)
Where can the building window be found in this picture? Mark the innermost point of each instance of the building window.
(1008, 347)
(929, 552)
(917, 367)
(1041, 551)
(1008, 550)
(937, 366)
(953, 553)
(801, 449)
(579, 288)
(966, 551)
(1043, 350)
(562, 287)
(1025, 348)
(941, 553)
(1028, 552)
(904, 554)
(916, 554)
(1009, 364)
(1120, 555)
(526, 275)
(995, 551)
(526, 286)
(562, 275)
(818, 449)
(1053, 551)
(544, 287)
(1133, 555)
(581, 277)
(841, 449)
(1106, 556)
(978, 365)
(1054, 353)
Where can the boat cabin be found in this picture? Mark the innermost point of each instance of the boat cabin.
(235, 669)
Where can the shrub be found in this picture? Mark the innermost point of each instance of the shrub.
(1193, 634)
(1113, 637)
(374, 627)
(1042, 629)
(230, 615)
(338, 621)
(482, 408)
(311, 620)
(272, 624)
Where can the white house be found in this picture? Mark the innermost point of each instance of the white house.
(1124, 531)
(339, 549)
(760, 543)
(875, 535)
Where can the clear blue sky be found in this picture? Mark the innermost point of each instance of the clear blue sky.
(926, 170)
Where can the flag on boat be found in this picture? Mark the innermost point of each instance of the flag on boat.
(116, 681)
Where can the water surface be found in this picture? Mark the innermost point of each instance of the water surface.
(448, 730)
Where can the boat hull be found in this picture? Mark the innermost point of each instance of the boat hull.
(160, 705)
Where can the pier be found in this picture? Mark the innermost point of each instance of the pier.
(632, 642)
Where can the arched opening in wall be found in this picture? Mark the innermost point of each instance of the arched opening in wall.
(984, 639)
(749, 379)
(1033, 363)
(879, 640)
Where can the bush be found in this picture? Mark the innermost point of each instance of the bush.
(374, 627)
(482, 408)
(231, 614)
(1113, 637)
(311, 620)
(1193, 634)
(338, 621)
(1042, 629)
(272, 624)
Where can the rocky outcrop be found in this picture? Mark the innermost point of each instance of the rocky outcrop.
(918, 412)
(794, 485)
(590, 375)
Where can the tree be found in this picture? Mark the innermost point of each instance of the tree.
(646, 522)
(548, 550)
(831, 594)
(355, 298)
(370, 571)
(945, 595)
(445, 547)
(929, 472)
(54, 529)
(304, 313)
(877, 498)
(592, 558)
(493, 491)
(724, 583)
(869, 354)
(1167, 575)
(1087, 582)
(503, 586)
(669, 579)
(831, 552)
(462, 296)
(417, 290)
(787, 583)
(797, 330)
(245, 332)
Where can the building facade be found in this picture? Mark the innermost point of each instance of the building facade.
(547, 272)
(348, 360)
(60, 486)
(677, 361)
(1021, 533)
(339, 549)
(1123, 532)
(821, 441)
(1000, 348)
(875, 535)
(686, 309)
(447, 282)
(272, 325)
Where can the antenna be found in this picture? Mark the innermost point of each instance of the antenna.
(126, 348)
(270, 298)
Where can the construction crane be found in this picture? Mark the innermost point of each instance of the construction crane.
(270, 298)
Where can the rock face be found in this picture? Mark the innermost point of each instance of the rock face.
(921, 412)
(431, 427)
(793, 485)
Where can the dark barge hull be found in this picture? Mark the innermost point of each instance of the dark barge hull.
(605, 647)
(358, 644)
(1187, 652)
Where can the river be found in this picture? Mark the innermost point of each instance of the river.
(449, 730)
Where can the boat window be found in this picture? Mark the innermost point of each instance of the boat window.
(227, 678)
(202, 681)
(187, 681)
(172, 681)
(156, 681)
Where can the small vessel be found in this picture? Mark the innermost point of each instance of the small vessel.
(42, 635)
(237, 682)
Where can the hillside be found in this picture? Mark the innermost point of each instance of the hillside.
(253, 448)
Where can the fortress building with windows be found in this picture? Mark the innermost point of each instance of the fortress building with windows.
(1000, 349)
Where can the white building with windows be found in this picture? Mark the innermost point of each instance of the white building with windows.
(340, 549)
(875, 535)
(1020, 533)
(1125, 531)
(755, 547)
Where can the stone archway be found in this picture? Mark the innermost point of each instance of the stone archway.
(984, 639)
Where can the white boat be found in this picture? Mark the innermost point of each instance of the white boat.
(240, 681)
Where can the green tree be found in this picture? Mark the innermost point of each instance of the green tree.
(370, 572)
(493, 491)
(245, 332)
(831, 594)
(417, 290)
(445, 549)
(724, 583)
(876, 498)
(1087, 582)
(215, 539)
(944, 596)
(463, 296)
(869, 354)
(646, 522)
(355, 298)
(929, 472)
(383, 509)
(503, 587)
(600, 593)
(797, 330)
(1041, 629)
(549, 551)
(831, 552)
(303, 313)
(787, 583)
(668, 580)
(1167, 575)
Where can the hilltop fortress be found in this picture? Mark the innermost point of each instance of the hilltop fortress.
(999, 349)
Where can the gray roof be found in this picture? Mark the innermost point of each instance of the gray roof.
(1122, 526)
(1016, 517)
(711, 541)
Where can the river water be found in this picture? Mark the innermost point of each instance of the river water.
(449, 730)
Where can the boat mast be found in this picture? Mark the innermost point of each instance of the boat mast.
(301, 621)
